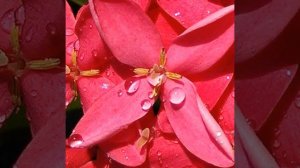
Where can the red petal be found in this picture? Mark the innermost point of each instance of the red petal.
(70, 93)
(195, 127)
(267, 90)
(255, 22)
(78, 157)
(39, 90)
(190, 55)
(122, 148)
(48, 146)
(144, 4)
(168, 152)
(93, 53)
(168, 28)
(43, 32)
(112, 112)
(70, 34)
(6, 101)
(91, 88)
(189, 12)
(135, 42)
(163, 122)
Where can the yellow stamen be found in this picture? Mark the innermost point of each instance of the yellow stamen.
(163, 58)
(48, 63)
(91, 72)
(145, 136)
(141, 71)
(68, 70)
(3, 59)
(74, 57)
(172, 75)
(14, 36)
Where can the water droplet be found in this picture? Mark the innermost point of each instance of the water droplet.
(33, 93)
(208, 12)
(146, 105)
(176, 155)
(177, 14)
(276, 144)
(94, 53)
(123, 151)
(75, 140)
(132, 85)
(107, 73)
(227, 77)
(150, 95)
(90, 26)
(284, 155)
(2, 118)
(20, 15)
(7, 21)
(51, 29)
(81, 57)
(84, 89)
(251, 123)
(219, 134)
(288, 73)
(158, 153)
(120, 93)
(105, 86)
(176, 95)
(69, 32)
(221, 117)
(126, 157)
(297, 102)
(276, 131)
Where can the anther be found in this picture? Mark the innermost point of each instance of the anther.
(48, 63)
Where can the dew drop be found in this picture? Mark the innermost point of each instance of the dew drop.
(90, 26)
(7, 21)
(94, 53)
(227, 77)
(2, 118)
(75, 140)
(33, 93)
(81, 57)
(76, 45)
(158, 153)
(120, 93)
(150, 95)
(51, 29)
(251, 123)
(219, 134)
(176, 96)
(177, 14)
(221, 117)
(132, 85)
(276, 144)
(29, 34)
(126, 157)
(105, 86)
(146, 105)
(84, 89)
(297, 102)
(208, 12)
(69, 32)
(107, 73)
(288, 73)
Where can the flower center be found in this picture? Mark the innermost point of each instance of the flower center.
(158, 74)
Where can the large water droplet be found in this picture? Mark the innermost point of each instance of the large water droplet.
(51, 29)
(132, 85)
(69, 32)
(75, 140)
(176, 96)
(20, 15)
(7, 21)
(146, 105)
(33, 93)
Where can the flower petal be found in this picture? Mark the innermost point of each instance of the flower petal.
(163, 122)
(43, 32)
(93, 53)
(215, 35)
(189, 12)
(70, 93)
(195, 127)
(48, 146)
(78, 157)
(135, 42)
(168, 152)
(144, 4)
(39, 89)
(6, 101)
(91, 88)
(70, 34)
(113, 112)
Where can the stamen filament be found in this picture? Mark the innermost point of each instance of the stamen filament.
(47, 63)
(141, 71)
(162, 58)
(91, 72)
(172, 75)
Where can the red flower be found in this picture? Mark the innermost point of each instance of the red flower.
(137, 44)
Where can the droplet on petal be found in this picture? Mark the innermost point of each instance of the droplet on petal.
(75, 140)
(3, 59)
(33, 93)
(176, 96)
(158, 153)
(51, 29)
(177, 14)
(69, 32)
(29, 34)
(20, 15)
(132, 85)
(105, 86)
(94, 53)
(2, 118)
(146, 105)
(288, 73)
(120, 93)
(219, 134)
(126, 157)
(276, 144)
(76, 45)
(297, 102)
